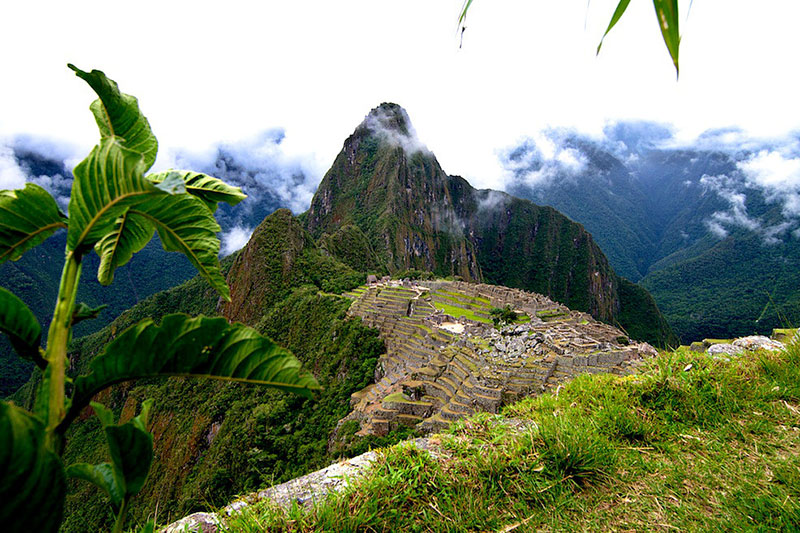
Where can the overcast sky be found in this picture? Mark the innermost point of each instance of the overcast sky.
(210, 72)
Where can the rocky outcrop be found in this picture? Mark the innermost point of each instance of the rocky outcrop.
(445, 360)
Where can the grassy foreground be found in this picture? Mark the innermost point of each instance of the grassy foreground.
(691, 444)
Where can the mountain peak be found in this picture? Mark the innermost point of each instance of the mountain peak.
(389, 117)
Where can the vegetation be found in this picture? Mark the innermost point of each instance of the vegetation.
(691, 443)
(506, 315)
(214, 439)
(115, 209)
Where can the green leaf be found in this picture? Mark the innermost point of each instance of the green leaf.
(102, 475)
(621, 7)
(32, 482)
(149, 527)
(463, 16)
(208, 188)
(27, 217)
(185, 225)
(131, 233)
(105, 185)
(103, 413)
(667, 13)
(184, 346)
(118, 115)
(131, 449)
(21, 326)
(84, 312)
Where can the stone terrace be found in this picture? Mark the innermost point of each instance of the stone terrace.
(445, 360)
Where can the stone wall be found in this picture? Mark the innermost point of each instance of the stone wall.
(434, 372)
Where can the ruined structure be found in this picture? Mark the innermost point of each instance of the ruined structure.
(445, 359)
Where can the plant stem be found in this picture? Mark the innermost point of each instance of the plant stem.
(123, 510)
(57, 340)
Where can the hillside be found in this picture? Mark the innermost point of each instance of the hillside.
(710, 242)
(392, 188)
(691, 443)
(214, 440)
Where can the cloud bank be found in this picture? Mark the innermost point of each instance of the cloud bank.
(267, 172)
(761, 170)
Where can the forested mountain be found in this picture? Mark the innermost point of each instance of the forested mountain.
(700, 227)
(391, 187)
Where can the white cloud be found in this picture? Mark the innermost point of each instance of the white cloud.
(11, 176)
(389, 123)
(537, 160)
(235, 239)
(778, 175)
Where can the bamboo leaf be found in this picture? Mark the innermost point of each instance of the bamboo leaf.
(118, 115)
(208, 188)
(27, 217)
(621, 7)
(185, 225)
(184, 346)
(667, 13)
(32, 482)
(21, 326)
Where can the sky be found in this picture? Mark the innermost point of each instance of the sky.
(211, 73)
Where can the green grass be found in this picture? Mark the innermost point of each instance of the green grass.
(712, 448)
(458, 312)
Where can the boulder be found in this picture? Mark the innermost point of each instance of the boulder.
(724, 350)
(759, 342)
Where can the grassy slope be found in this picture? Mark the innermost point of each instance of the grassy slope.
(714, 447)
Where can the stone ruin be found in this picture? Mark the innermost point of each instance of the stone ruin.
(446, 360)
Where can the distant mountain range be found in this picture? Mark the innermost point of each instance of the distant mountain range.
(711, 231)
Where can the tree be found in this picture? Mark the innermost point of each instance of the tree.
(666, 14)
(115, 209)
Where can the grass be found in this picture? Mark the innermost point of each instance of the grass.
(458, 312)
(714, 447)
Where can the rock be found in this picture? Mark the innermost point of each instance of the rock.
(194, 523)
(697, 347)
(724, 349)
(786, 336)
(759, 342)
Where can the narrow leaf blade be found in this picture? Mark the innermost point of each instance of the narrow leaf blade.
(27, 217)
(32, 481)
(118, 115)
(21, 326)
(621, 7)
(184, 346)
(667, 13)
(209, 189)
